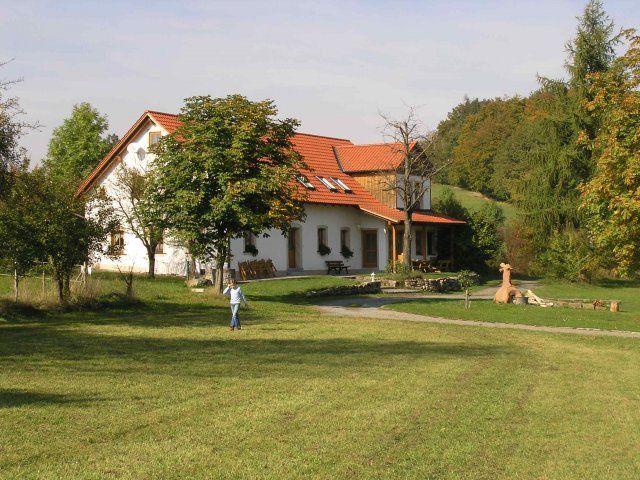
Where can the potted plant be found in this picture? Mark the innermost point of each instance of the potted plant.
(323, 249)
(346, 252)
(251, 249)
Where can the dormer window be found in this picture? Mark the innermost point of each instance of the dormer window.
(305, 181)
(341, 184)
(327, 184)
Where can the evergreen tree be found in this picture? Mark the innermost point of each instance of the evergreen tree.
(558, 164)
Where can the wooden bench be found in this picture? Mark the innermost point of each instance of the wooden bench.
(336, 266)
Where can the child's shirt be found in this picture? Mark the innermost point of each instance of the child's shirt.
(236, 295)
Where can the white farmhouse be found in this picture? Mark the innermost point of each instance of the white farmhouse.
(346, 209)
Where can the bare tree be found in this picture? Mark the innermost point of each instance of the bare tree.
(129, 194)
(12, 155)
(410, 142)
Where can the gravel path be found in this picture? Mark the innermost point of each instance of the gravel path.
(373, 308)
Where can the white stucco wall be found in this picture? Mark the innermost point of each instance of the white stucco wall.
(334, 219)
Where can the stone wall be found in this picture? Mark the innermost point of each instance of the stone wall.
(363, 288)
(445, 284)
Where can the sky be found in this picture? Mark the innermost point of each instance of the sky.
(334, 65)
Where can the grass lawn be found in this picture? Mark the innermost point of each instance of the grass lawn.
(473, 200)
(164, 390)
(487, 311)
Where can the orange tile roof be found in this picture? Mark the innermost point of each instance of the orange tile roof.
(320, 155)
(167, 121)
(372, 157)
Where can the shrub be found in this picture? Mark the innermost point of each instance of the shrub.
(570, 256)
(251, 249)
(346, 252)
(323, 249)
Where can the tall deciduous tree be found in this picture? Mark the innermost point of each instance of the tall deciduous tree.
(79, 143)
(227, 169)
(611, 198)
(448, 133)
(558, 162)
(481, 137)
(69, 237)
(21, 225)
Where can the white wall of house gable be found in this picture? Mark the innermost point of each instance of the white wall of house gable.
(172, 261)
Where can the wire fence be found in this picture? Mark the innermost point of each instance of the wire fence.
(42, 273)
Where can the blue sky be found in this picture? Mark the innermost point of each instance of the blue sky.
(333, 65)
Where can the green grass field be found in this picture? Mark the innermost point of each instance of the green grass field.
(628, 319)
(162, 389)
(473, 200)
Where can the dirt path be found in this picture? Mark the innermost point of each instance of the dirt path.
(372, 308)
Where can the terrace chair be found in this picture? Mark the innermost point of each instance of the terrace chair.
(262, 268)
(253, 266)
(271, 269)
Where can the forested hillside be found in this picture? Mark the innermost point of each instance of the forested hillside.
(550, 154)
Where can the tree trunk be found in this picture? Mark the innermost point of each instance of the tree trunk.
(217, 290)
(129, 282)
(67, 286)
(60, 287)
(406, 239)
(16, 285)
(192, 267)
(151, 253)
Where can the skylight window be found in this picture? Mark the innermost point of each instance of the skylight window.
(305, 181)
(341, 184)
(327, 184)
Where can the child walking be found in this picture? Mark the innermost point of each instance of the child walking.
(237, 296)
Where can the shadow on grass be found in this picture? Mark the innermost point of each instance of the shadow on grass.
(159, 314)
(17, 398)
(74, 351)
(616, 283)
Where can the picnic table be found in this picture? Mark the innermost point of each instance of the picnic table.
(336, 266)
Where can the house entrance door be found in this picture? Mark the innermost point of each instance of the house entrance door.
(293, 236)
(369, 248)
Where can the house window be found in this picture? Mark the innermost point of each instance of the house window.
(345, 243)
(154, 137)
(116, 247)
(305, 181)
(341, 184)
(160, 246)
(416, 195)
(431, 243)
(419, 242)
(345, 240)
(249, 243)
(327, 183)
(322, 239)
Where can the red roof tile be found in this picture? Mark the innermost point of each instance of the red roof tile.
(168, 121)
(371, 158)
(319, 154)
